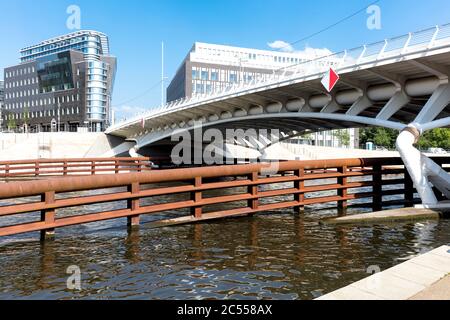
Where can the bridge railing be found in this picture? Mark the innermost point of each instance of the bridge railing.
(64, 167)
(203, 192)
(427, 39)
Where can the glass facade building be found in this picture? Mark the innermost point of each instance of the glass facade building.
(63, 84)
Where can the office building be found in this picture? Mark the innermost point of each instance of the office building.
(2, 99)
(61, 84)
(209, 68)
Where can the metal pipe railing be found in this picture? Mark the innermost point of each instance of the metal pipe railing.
(309, 182)
(64, 167)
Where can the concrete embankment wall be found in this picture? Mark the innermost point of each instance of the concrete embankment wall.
(52, 145)
(305, 152)
(91, 145)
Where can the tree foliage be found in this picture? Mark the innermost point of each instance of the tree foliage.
(436, 138)
(343, 136)
(383, 137)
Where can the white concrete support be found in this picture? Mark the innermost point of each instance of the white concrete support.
(360, 105)
(133, 152)
(423, 170)
(438, 101)
(398, 101)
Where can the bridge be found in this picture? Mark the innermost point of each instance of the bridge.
(400, 83)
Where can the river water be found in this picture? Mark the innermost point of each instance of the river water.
(275, 255)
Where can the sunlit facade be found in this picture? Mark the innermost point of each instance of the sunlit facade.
(65, 82)
(210, 67)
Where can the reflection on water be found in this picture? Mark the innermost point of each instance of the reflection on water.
(276, 255)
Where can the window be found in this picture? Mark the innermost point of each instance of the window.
(205, 75)
(194, 74)
(199, 88)
(214, 76)
(233, 77)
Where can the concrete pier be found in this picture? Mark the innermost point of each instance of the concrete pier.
(422, 277)
(394, 215)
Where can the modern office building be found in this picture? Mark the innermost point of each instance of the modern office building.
(211, 67)
(2, 99)
(61, 84)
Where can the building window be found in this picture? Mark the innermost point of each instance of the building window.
(204, 75)
(214, 76)
(233, 77)
(194, 74)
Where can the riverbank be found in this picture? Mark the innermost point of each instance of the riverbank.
(423, 277)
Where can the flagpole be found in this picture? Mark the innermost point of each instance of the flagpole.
(162, 73)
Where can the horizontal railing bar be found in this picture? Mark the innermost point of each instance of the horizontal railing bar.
(32, 161)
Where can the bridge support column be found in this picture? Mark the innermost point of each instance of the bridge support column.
(423, 171)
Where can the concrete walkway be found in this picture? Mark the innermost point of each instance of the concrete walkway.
(438, 291)
(423, 277)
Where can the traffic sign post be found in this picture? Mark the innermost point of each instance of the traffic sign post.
(330, 79)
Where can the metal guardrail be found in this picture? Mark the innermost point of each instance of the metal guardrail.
(64, 167)
(428, 39)
(311, 182)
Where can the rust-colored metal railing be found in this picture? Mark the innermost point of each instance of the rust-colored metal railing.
(64, 167)
(296, 184)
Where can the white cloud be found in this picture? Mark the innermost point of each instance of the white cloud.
(281, 45)
(126, 111)
(307, 53)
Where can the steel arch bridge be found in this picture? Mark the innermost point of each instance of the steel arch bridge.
(400, 83)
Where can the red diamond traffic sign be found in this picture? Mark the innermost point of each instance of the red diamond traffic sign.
(330, 79)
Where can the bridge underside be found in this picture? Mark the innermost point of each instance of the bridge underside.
(407, 92)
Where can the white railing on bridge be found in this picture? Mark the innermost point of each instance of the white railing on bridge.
(432, 38)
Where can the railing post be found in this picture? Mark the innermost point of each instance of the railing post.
(253, 190)
(92, 167)
(409, 190)
(133, 205)
(116, 166)
(36, 169)
(300, 185)
(65, 168)
(377, 188)
(196, 196)
(342, 192)
(48, 215)
(7, 171)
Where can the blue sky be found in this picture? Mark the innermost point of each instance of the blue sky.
(137, 27)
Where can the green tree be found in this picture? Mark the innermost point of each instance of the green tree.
(436, 138)
(343, 136)
(11, 124)
(382, 137)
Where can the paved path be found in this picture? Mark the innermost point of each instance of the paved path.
(420, 277)
(438, 291)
